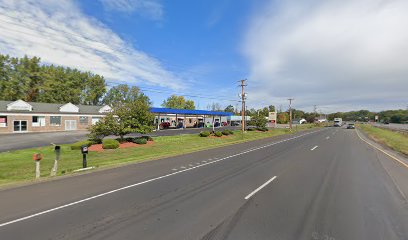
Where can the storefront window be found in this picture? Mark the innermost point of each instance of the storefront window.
(3, 121)
(83, 120)
(55, 120)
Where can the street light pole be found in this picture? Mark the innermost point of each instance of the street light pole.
(243, 103)
(290, 113)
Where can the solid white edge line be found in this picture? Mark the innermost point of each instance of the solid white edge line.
(386, 153)
(314, 148)
(147, 181)
(259, 188)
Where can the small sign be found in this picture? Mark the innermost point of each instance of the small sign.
(272, 116)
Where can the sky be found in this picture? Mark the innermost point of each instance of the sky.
(339, 55)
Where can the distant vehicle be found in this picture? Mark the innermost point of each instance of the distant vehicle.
(338, 122)
(386, 122)
(164, 125)
(350, 126)
(235, 124)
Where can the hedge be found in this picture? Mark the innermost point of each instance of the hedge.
(218, 134)
(78, 145)
(110, 144)
(140, 140)
(226, 132)
(204, 134)
(263, 129)
(148, 138)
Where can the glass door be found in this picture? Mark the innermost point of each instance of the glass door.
(20, 126)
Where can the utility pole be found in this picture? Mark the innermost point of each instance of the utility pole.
(243, 103)
(290, 113)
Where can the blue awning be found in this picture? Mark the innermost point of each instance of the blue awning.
(188, 112)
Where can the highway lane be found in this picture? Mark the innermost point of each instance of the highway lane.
(328, 185)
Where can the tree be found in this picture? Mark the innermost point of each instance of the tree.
(214, 107)
(123, 94)
(25, 78)
(128, 116)
(283, 118)
(105, 127)
(229, 108)
(259, 121)
(178, 102)
(189, 104)
(264, 112)
(251, 112)
(271, 108)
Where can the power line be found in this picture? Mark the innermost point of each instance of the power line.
(213, 97)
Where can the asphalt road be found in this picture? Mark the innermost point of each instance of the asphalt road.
(324, 184)
(17, 141)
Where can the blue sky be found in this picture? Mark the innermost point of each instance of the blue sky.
(197, 39)
(338, 55)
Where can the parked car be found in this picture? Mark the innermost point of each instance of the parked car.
(164, 125)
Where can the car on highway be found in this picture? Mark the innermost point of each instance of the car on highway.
(350, 126)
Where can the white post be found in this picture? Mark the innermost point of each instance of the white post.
(37, 169)
(55, 168)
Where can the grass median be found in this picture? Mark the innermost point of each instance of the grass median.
(395, 140)
(18, 166)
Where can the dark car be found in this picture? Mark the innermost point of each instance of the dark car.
(350, 126)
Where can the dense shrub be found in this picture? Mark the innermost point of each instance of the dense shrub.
(204, 134)
(218, 134)
(129, 139)
(263, 129)
(121, 140)
(140, 140)
(110, 144)
(251, 129)
(77, 145)
(148, 138)
(226, 132)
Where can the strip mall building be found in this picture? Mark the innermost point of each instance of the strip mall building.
(20, 116)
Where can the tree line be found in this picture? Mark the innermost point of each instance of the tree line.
(392, 116)
(26, 78)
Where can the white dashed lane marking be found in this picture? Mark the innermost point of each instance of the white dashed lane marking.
(314, 148)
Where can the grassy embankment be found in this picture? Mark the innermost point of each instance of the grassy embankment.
(395, 140)
(18, 166)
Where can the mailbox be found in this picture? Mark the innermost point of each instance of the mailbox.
(84, 149)
(37, 156)
(57, 149)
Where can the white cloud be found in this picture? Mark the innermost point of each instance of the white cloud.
(150, 8)
(59, 33)
(346, 54)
